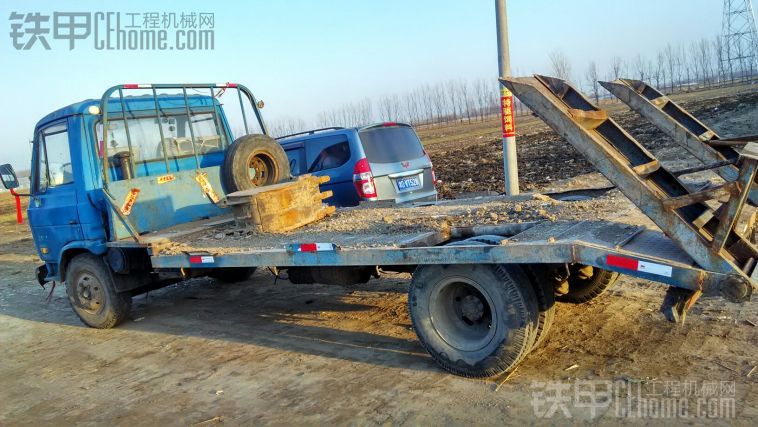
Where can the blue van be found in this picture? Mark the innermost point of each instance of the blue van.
(384, 161)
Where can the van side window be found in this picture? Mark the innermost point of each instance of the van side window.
(53, 158)
(331, 157)
(295, 157)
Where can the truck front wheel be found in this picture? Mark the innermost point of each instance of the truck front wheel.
(474, 320)
(92, 293)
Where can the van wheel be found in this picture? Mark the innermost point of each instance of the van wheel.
(587, 283)
(474, 320)
(92, 293)
(254, 161)
(233, 274)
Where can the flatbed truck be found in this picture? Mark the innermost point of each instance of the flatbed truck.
(140, 173)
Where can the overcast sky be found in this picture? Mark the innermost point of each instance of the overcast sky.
(304, 57)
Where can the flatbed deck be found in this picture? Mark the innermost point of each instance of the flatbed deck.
(625, 248)
(529, 226)
(388, 227)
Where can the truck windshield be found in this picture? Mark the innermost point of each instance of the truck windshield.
(391, 144)
(146, 137)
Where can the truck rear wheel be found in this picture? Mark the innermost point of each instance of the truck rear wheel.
(546, 300)
(254, 161)
(474, 320)
(92, 293)
(542, 291)
(587, 283)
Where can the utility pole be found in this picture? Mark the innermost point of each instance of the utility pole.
(506, 102)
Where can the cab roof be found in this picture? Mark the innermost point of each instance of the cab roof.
(132, 103)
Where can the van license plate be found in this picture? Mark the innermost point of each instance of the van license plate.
(408, 184)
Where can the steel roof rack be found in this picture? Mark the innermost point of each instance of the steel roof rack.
(310, 132)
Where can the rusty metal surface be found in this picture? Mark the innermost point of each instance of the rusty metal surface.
(679, 125)
(615, 153)
(281, 207)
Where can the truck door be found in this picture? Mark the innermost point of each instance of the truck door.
(53, 214)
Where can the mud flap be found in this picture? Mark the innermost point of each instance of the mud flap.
(677, 302)
(40, 272)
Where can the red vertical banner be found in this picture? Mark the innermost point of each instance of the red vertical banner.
(19, 214)
(506, 113)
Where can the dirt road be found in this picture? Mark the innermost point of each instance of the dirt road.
(265, 352)
(277, 353)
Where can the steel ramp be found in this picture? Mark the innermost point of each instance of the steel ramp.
(681, 126)
(706, 235)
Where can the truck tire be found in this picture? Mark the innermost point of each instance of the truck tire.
(584, 287)
(474, 320)
(542, 290)
(233, 274)
(546, 300)
(92, 293)
(254, 161)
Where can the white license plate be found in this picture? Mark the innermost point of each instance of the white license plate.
(408, 184)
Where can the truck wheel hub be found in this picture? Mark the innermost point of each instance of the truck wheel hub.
(89, 293)
(260, 169)
(462, 314)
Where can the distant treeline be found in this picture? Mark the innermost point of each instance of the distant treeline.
(674, 68)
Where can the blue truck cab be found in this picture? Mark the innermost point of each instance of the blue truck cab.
(68, 210)
(107, 172)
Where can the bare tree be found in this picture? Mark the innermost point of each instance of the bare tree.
(466, 99)
(481, 89)
(389, 108)
(671, 59)
(694, 62)
(704, 56)
(718, 56)
(659, 71)
(452, 89)
(641, 67)
(560, 65)
(412, 109)
(438, 101)
(617, 67)
(286, 126)
(592, 80)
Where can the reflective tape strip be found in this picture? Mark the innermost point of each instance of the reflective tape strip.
(137, 86)
(131, 197)
(641, 266)
(202, 179)
(315, 247)
(201, 259)
(653, 268)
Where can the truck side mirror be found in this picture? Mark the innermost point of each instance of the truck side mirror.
(8, 176)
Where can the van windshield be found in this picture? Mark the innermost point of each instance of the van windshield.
(391, 144)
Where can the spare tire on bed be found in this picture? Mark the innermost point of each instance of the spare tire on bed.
(254, 161)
